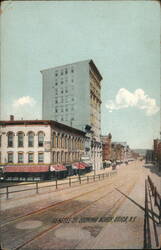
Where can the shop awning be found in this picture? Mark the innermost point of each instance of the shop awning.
(78, 165)
(58, 167)
(86, 164)
(26, 169)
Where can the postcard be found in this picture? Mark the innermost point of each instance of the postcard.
(80, 145)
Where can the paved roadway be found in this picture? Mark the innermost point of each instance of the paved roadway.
(106, 214)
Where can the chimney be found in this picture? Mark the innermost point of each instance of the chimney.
(11, 117)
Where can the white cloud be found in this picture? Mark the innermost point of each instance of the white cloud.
(23, 101)
(138, 99)
(24, 107)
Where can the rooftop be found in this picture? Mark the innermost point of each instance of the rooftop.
(41, 122)
(90, 61)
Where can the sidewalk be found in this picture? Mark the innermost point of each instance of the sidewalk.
(128, 235)
(155, 176)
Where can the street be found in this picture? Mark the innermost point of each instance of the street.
(105, 214)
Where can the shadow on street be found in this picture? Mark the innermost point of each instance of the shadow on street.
(141, 207)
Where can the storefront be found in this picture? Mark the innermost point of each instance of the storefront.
(58, 171)
(26, 172)
(78, 168)
(88, 166)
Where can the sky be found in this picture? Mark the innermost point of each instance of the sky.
(121, 37)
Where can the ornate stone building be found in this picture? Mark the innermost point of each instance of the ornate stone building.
(39, 141)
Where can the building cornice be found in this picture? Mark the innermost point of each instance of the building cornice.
(52, 123)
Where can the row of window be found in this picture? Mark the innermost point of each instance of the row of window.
(63, 109)
(57, 157)
(66, 118)
(61, 99)
(20, 139)
(62, 81)
(57, 141)
(68, 143)
(61, 91)
(63, 71)
(65, 157)
(30, 157)
(96, 154)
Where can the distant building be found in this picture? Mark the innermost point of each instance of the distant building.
(72, 96)
(157, 152)
(120, 151)
(149, 156)
(39, 142)
(117, 151)
(106, 147)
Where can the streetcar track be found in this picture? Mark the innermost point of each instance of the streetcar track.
(53, 205)
(115, 207)
(60, 224)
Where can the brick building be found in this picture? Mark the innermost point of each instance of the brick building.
(106, 147)
(157, 152)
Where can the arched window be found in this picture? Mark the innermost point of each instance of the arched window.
(54, 140)
(40, 139)
(30, 139)
(62, 141)
(65, 141)
(10, 139)
(58, 159)
(20, 139)
(69, 143)
(73, 143)
(59, 141)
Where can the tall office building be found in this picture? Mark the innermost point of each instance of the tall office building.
(72, 95)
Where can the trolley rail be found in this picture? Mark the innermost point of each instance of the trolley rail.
(75, 212)
(42, 210)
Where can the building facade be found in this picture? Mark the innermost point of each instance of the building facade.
(120, 151)
(106, 147)
(72, 95)
(157, 152)
(39, 142)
